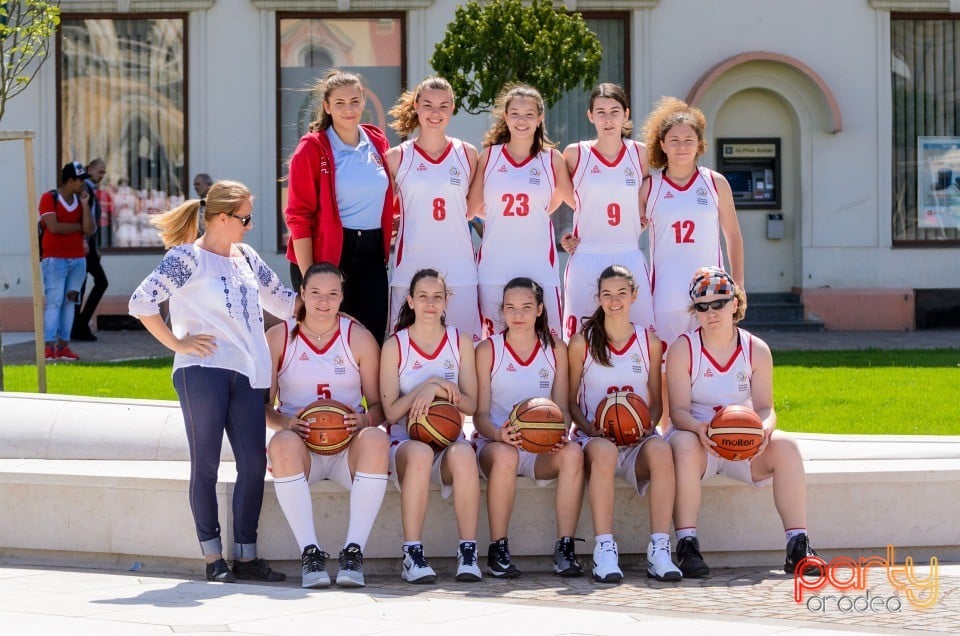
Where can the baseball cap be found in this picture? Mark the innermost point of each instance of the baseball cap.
(73, 170)
(711, 281)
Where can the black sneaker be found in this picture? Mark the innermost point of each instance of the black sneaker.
(83, 335)
(314, 563)
(798, 548)
(689, 559)
(257, 570)
(219, 572)
(565, 561)
(351, 567)
(499, 561)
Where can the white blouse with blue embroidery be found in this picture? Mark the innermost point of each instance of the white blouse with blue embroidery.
(223, 296)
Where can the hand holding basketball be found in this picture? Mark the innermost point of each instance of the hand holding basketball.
(705, 439)
(297, 425)
(422, 398)
(509, 434)
(356, 421)
(450, 389)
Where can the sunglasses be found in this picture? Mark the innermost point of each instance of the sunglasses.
(244, 220)
(716, 305)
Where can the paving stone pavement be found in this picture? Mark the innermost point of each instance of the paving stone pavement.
(741, 601)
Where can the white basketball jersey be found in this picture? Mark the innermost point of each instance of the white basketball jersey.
(630, 372)
(518, 238)
(684, 235)
(416, 366)
(715, 384)
(433, 215)
(513, 380)
(307, 373)
(607, 213)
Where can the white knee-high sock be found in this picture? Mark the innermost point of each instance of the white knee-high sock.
(293, 493)
(366, 495)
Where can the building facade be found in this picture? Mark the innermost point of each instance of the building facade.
(837, 123)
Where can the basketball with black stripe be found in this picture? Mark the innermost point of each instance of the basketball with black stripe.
(540, 424)
(439, 427)
(738, 432)
(328, 433)
(623, 417)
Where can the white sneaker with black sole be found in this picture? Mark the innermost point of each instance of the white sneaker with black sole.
(606, 563)
(659, 564)
(467, 569)
(415, 568)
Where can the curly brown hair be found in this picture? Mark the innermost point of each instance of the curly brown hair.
(404, 112)
(667, 113)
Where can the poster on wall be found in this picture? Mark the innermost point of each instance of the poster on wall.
(938, 182)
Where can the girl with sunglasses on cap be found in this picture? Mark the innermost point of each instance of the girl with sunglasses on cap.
(717, 365)
(610, 354)
(218, 288)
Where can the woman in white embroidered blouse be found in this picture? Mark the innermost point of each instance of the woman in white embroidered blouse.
(218, 289)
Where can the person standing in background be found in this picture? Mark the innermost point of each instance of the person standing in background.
(202, 183)
(96, 170)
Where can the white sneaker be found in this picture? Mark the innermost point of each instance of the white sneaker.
(606, 563)
(659, 564)
(467, 569)
(415, 568)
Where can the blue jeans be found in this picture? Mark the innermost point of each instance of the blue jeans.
(60, 277)
(215, 401)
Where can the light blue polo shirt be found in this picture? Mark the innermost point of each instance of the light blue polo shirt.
(361, 182)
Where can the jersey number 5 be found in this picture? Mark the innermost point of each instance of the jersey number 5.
(323, 391)
(516, 205)
(683, 231)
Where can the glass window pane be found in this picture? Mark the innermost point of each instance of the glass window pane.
(307, 48)
(121, 98)
(925, 76)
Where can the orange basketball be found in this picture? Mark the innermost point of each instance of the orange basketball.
(328, 434)
(738, 432)
(540, 424)
(623, 417)
(440, 427)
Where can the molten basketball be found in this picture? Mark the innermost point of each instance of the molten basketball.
(440, 427)
(540, 424)
(623, 417)
(328, 434)
(738, 432)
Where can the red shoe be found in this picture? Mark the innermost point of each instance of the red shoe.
(64, 353)
(50, 353)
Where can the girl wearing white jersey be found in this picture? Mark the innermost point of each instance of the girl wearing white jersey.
(720, 365)
(524, 362)
(423, 361)
(324, 355)
(687, 206)
(612, 354)
(521, 180)
(607, 173)
(432, 174)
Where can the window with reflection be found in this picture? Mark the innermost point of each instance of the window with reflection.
(122, 97)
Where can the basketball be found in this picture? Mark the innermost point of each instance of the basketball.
(440, 427)
(623, 417)
(540, 424)
(328, 434)
(738, 432)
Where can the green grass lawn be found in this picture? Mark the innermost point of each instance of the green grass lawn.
(869, 392)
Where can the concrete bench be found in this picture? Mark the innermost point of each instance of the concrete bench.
(84, 481)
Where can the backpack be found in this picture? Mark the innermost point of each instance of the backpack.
(40, 225)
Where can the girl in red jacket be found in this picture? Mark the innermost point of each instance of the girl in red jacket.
(340, 204)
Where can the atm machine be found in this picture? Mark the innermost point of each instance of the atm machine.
(752, 167)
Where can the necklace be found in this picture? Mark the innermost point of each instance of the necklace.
(319, 336)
